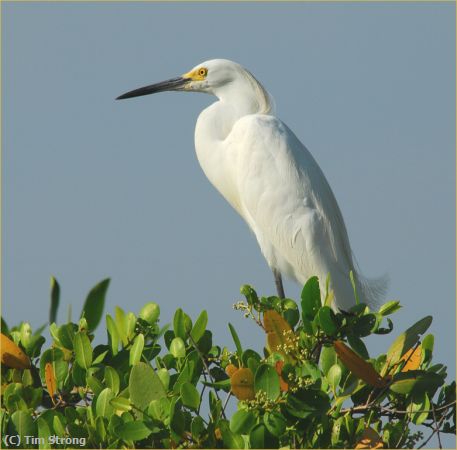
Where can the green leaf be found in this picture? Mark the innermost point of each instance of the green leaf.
(242, 421)
(55, 298)
(328, 358)
(190, 396)
(403, 386)
(250, 294)
(53, 330)
(100, 427)
(164, 376)
(266, 379)
(133, 431)
(231, 440)
(58, 425)
(136, 350)
(103, 406)
(121, 404)
(419, 408)
(310, 299)
(224, 384)
(311, 402)
(407, 339)
(83, 350)
(144, 386)
(389, 308)
(236, 340)
(112, 379)
(130, 325)
(358, 346)
(22, 424)
(182, 324)
(327, 320)
(199, 326)
(177, 425)
(275, 423)
(260, 437)
(427, 348)
(184, 376)
(113, 335)
(66, 335)
(121, 324)
(417, 382)
(95, 384)
(160, 409)
(364, 325)
(43, 433)
(78, 375)
(95, 302)
(336, 432)
(334, 376)
(150, 312)
(178, 348)
(197, 427)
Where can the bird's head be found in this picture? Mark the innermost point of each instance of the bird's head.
(210, 77)
(220, 77)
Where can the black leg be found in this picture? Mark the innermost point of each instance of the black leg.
(278, 282)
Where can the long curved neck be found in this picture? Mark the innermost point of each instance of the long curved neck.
(244, 97)
(236, 99)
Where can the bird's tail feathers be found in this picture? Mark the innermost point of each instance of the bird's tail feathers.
(372, 291)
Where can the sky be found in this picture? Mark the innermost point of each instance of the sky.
(95, 188)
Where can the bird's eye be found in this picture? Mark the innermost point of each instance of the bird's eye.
(202, 72)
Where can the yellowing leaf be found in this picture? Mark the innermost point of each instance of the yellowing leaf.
(279, 333)
(50, 379)
(274, 322)
(282, 384)
(242, 384)
(358, 366)
(412, 358)
(11, 355)
(230, 369)
(370, 439)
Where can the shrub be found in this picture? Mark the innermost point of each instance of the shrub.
(314, 385)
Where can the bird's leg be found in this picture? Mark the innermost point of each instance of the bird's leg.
(278, 282)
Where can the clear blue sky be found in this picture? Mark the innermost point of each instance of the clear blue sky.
(95, 188)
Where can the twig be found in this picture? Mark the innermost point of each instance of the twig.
(404, 429)
(206, 368)
(226, 401)
(398, 411)
(437, 427)
(201, 398)
(433, 432)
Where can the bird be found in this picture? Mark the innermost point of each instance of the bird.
(272, 181)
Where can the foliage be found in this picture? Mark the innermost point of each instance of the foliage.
(314, 385)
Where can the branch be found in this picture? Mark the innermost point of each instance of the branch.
(433, 432)
(437, 428)
(206, 368)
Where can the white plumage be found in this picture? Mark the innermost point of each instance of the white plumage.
(269, 177)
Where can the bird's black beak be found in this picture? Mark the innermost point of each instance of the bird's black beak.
(174, 84)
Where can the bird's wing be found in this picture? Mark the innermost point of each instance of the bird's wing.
(287, 200)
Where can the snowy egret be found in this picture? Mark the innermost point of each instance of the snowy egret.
(269, 177)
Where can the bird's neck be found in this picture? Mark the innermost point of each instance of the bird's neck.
(215, 124)
(236, 100)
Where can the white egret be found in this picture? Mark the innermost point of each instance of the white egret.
(269, 177)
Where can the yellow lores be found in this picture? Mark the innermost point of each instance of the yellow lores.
(196, 74)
